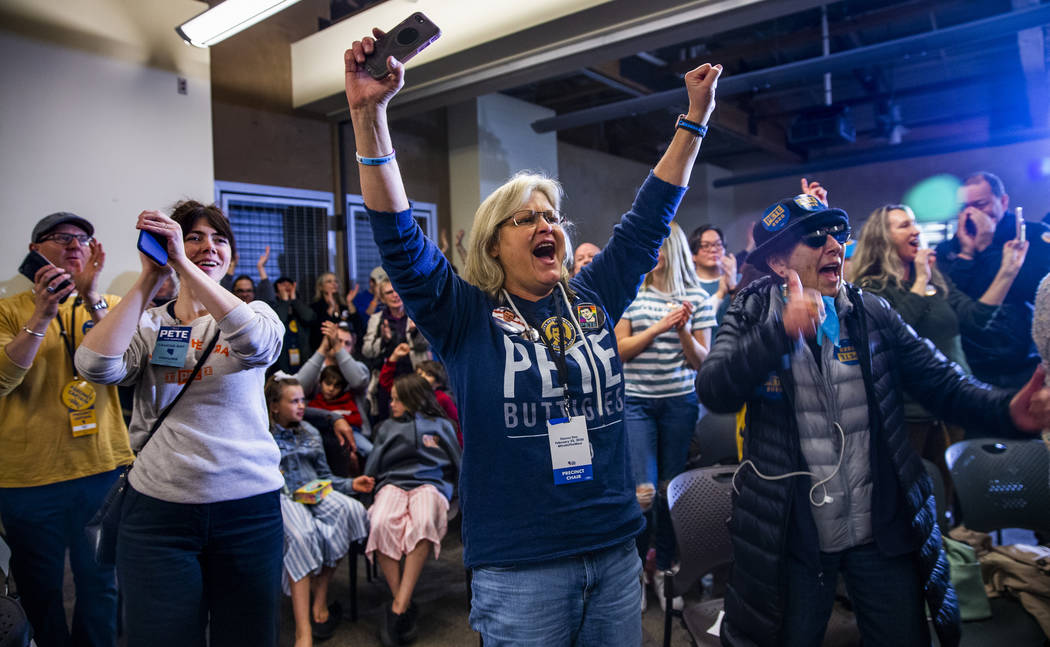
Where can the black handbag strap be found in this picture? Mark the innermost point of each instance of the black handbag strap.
(189, 381)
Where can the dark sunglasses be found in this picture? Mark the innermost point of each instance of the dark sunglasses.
(816, 239)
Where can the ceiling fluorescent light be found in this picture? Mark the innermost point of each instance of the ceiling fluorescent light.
(226, 19)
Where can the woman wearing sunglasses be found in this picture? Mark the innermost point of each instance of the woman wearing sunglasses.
(893, 262)
(831, 484)
(549, 509)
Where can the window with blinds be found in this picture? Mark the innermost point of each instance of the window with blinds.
(292, 222)
(362, 253)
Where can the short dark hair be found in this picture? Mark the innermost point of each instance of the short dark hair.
(332, 375)
(437, 371)
(241, 277)
(188, 212)
(997, 186)
(283, 279)
(694, 238)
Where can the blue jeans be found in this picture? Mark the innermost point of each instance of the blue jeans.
(658, 433)
(584, 600)
(41, 523)
(184, 567)
(885, 591)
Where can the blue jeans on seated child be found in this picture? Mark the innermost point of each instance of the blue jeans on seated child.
(588, 600)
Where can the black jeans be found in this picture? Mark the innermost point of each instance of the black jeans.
(885, 591)
(184, 567)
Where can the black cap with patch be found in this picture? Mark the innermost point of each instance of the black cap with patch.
(786, 222)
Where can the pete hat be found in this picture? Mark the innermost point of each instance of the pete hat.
(47, 223)
(786, 222)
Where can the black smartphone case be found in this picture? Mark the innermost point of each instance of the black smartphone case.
(32, 263)
(403, 42)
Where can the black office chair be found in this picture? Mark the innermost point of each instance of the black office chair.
(1001, 483)
(701, 504)
(714, 441)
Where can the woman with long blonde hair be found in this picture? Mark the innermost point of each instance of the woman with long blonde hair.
(893, 262)
(663, 337)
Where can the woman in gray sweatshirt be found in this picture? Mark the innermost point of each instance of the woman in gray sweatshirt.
(200, 536)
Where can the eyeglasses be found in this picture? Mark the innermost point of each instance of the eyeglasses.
(715, 246)
(528, 217)
(816, 239)
(64, 239)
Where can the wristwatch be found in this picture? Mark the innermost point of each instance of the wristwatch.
(699, 130)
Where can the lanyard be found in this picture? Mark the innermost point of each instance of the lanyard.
(557, 354)
(69, 340)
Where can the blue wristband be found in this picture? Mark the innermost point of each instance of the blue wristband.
(376, 161)
(699, 130)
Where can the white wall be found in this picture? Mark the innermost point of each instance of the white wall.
(491, 139)
(102, 137)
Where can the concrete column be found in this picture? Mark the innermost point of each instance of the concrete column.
(490, 139)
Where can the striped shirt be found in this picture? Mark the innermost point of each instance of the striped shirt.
(661, 370)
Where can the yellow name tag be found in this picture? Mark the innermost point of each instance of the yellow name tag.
(83, 422)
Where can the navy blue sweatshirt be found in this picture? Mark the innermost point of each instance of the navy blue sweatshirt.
(508, 389)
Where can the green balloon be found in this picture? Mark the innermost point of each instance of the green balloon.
(935, 199)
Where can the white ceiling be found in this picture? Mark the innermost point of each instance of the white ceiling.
(142, 31)
(317, 61)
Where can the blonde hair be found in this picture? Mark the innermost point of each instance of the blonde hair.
(319, 295)
(482, 270)
(679, 271)
(876, 264)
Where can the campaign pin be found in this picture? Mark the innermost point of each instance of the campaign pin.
(559, 332)
(506, 319)
(590, 316)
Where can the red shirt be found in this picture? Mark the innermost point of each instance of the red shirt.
(344, 404)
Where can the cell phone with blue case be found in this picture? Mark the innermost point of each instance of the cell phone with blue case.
(153, 246)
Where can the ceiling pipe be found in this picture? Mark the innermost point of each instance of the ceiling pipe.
(894, 50)
(891, 154)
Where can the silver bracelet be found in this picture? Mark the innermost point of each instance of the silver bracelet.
(35, 334)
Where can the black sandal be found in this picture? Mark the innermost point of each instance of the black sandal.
(325, 630)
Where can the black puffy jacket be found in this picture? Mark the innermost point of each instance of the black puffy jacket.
(749, 364)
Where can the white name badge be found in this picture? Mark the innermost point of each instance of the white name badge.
(173, 343)
(570, 450)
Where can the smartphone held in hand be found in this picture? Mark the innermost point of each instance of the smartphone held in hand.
(404, 41)
(1020, 224)
(32, 263)
(155, 247)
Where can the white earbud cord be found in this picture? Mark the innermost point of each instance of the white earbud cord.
(821, 483)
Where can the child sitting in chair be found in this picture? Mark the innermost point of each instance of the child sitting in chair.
(316, 535)
(413, 469)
